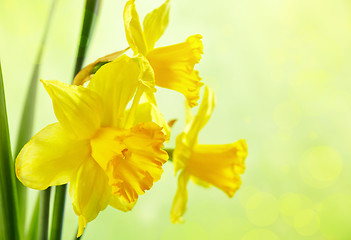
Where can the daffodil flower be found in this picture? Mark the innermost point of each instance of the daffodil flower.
(207, 165)
(90, 146)
(173, 65)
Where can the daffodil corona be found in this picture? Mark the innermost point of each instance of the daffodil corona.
(216, 165)
(90, 146)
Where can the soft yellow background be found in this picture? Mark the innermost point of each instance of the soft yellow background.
(281, 71)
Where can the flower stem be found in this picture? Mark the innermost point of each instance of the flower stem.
(58, 212)
(44, 214)
(8, 194)
(170, 153)
(90, 14)
(34, 223)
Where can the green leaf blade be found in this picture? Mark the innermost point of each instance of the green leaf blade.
(32, 233)
(91, 11)
(8, 193)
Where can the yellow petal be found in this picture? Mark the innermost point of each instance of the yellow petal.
(147, 76)
(186, 141)
(134, 33)
(146, 85)
(107, 144)
(120, 204)
(116, 83)
(203, 115)
(82, 223)
(180, 199)
(132, 158)
(78, 109)
(85, 74)
(189, 117)
(90, 192)
(219, 165)
(145, 143)
(148, 112)
(200, 182)
(50, 158)
(174, 67)
(182, 153)
(155, 24)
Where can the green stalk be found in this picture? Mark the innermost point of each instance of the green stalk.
(170, 153)
(44, 214)
(26, 124)
(90, 14)
(32, 233)
(2, 218)
(58, 212)
(8, 193)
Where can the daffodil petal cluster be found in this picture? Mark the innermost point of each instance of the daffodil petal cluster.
(173, 65)
(207, 165)
(110, 154)
(91, 145)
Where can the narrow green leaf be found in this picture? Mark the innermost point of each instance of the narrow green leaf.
(9, 202)
(90, 13)
(2, 224)
(58, 212)
(44, 210)
(26, 124)
(32, 233)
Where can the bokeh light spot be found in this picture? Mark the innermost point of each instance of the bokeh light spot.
(306, 222)
(262, 209)
(290, 203)
(320, 166)
(245, 193)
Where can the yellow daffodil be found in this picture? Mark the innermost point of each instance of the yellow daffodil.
(173, 65)
(90, 146)
(217, 165)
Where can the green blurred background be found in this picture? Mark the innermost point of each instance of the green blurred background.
(281, 72)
